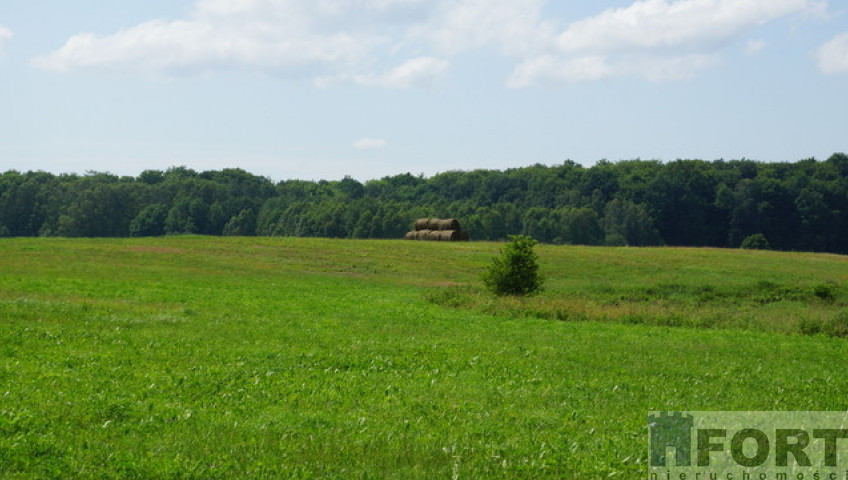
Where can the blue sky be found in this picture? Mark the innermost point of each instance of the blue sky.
(320, 89)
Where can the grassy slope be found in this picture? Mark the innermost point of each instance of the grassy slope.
(750, 290)
(283, 358)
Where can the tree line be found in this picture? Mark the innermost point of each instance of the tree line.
(799, 205)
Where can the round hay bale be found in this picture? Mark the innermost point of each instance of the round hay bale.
(448, 235)
(409, 235)
(433, 235)
(448, 224)
(422, 224)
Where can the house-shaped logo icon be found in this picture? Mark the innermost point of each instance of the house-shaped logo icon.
(671, 429)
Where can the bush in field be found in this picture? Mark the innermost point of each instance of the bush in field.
(836, 326)
(825, 291)
(756, 241)
(516, 271)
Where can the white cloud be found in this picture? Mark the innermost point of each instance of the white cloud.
(293, 38)
(833, 55)
(418, 72)
(186, 46)
(654, 39)
(370, 144)
(5, 36)
(550, 70)
(327, 40)
(411, 43)
(515, 26)
(688, 24)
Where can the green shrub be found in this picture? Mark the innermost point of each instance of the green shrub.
(825, 291)
(516, 271)
(756, 241)
(810, 327)
(838, 325)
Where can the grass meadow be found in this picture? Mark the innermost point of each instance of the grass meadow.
(205, 358)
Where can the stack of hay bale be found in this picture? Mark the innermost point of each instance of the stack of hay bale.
(437, 229)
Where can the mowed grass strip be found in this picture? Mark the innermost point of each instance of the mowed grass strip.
(193, 357)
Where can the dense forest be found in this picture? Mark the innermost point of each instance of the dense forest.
(794, 206)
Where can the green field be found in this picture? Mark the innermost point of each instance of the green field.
(197, 357)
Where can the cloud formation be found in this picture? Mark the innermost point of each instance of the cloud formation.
(684, 25)
(833, 55)
(412, 43)
(512, 26)
(290, 38)
(654, 39)
(204, 44)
